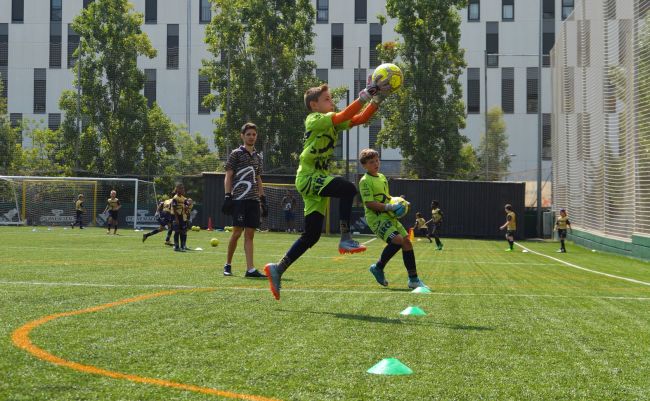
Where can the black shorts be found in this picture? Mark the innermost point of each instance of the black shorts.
(510, 233)
(288, 215)
(423, 232)
(435, 228)
(113, 215)
(246, 213)
(561, 233)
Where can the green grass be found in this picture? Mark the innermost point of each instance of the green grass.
(498, 325)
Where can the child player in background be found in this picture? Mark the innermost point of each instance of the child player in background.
(436, 223)
(113, 205)
(510, 226)
(561, 225)
(420, 226)
(79, 212)
(164, 217)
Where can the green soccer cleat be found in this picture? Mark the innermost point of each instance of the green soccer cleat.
(379, 275)
(508, 250)
(271, 270)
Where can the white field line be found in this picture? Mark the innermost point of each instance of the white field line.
(313, 291)
(369, 241)
(631, 280)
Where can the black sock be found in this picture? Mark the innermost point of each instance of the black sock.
(409, 263)
(387, 254)
(344, 226)
(297, 249)
(438, 241)
(169, 235)
(183, 240)
(562, 244)
(511, 243)
(176, 235)
(153, 232)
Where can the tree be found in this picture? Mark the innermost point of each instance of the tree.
(259, 71)
(423, 118)
(470, 166)
(493, 151)
(115, 139)
(194, 155)
(46, 155)
(10, 148)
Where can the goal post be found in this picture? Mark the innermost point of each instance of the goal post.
(9, 205)
(51, 200)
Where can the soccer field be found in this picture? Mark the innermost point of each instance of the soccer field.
(90, 316)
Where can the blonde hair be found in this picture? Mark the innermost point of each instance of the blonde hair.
(312, 94)
(367, 154)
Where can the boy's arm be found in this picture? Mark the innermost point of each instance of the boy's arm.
(347, 113)
(376, 206)
(364, 116)
(227, 181)
(260, 186)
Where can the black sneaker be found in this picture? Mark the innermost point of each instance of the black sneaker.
(227, 270)
(255, 273)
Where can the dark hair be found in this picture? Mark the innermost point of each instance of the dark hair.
(312, 94)
(367, 154)
(418, 215)
(434, 203)
(508, 206)
(248, 126)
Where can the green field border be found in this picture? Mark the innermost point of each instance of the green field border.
(638, 247)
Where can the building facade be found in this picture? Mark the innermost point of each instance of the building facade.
(36, 47)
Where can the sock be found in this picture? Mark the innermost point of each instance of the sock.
(251, 269)
(344, 226)
(183, 240)
(438, 243)
(409, 263)
(562, 244)
(115, 229)
(169, 235)
(387, 254)
(152, 232)
(511, 243)
(176, 235)
(297, 249)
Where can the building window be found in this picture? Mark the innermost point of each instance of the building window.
(548, 41)
(568, 90)
(610, 9)
(4, 77)
(549, 9)
(567, 8)
(172, 46)
(474, 10)
(56, 11)
(360, 11)
(150, 86)
(16, 121)
(4, 45)
(584, 40)
(532, 88)
(375, 40)
(322, 74)
(373, 133)
(55, 45)
(54, 121)
(337, 46)
(73, 44)
(546, 136)
(17, 11)
(473, 90)
(625, 44)
(492, 43)
(39, 90)
(205, 12)
(204, 90)
(151, 11)
(87, 3)
(508, 10)
(359, 80)
(322, 11)
(508, 90)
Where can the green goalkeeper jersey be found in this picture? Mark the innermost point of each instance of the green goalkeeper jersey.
(373, 188)
(320, 139)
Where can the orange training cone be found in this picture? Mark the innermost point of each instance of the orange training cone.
(411, 234)
(209, 223)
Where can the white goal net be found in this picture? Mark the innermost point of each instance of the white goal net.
(284, 201)
(50, 201)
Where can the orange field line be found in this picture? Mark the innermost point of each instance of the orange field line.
(20, 338)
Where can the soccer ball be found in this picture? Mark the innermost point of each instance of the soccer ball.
(390, 71)
(214, 241)
(196, 228)
(399, 200)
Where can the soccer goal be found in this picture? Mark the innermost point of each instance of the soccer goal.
(51, 201)
(283, 198)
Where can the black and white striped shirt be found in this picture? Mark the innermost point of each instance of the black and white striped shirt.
(246, 168)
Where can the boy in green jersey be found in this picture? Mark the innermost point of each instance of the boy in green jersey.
(376, 202)
(313, 179)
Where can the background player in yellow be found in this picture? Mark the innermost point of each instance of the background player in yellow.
(113, 205)
(313, 179)
(375, 197)
(420, 226)
(510, 226)
(79, 212)
(561, 225)
(436, 223)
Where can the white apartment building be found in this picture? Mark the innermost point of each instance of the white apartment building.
(36, 46)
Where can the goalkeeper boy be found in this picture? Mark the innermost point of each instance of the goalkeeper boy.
(313, 179)
(376, 202)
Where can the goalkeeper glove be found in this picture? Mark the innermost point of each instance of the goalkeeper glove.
(228, 204)
(398, 208)
(264, 205)
(373, 88)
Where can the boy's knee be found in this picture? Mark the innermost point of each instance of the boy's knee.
(310, 238)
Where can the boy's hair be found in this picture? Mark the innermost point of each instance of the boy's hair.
(247, 126)
(312, 94)
(80, 196)
(434, 203)
(418, 215)
(367, 154)
(509, 207)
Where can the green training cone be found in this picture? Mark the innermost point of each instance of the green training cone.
(413, 311)
(421, 290)
(390, 366)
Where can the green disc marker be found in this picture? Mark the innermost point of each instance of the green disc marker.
(390, 366)
(413, 311)
(421, 290)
